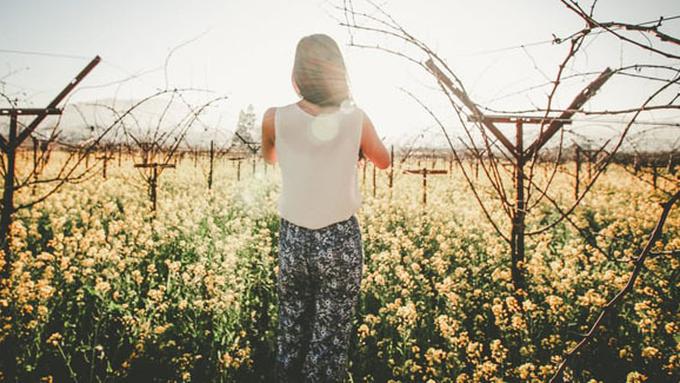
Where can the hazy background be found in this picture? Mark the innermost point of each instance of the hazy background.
(244, 49)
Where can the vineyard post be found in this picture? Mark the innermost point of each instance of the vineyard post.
(154, 186)
(105, 160)
(8, 197)
(35, 164)
(450, 166)
(424, 172)
(373, 180)
(391, 166)
(254, 163)
(577, 171)
(655, 174)
(153, 180)
(671, 166)
(237, 162)
(212, 157)
(424, 186)
(517, 233)
(363, 180)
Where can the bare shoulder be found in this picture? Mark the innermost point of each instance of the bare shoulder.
(366, 121)
(269, 113)
(268, 128)
(268, 118)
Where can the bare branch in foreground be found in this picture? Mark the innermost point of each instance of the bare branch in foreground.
(639, 263)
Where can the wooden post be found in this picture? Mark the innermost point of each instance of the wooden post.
(105, 159)
(238, 170)
(450, 166)
(374, 180)
(655, 175)
(391, 166)
(671, 166)
(153, 180)
(424, 172)
(577, 171)
(154, 185)
(517, 234)
(210, 171)
(35, 165)
(237, 163)
(8, 195)
(424, 186)
(253, 166)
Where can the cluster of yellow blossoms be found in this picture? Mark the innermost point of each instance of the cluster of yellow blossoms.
(188, 292)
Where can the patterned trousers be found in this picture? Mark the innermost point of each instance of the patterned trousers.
(318, 286)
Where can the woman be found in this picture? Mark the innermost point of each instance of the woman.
(317, 142)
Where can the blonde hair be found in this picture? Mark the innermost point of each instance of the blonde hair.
(319, 71)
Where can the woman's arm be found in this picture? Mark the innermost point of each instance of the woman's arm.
(268, 136)
(372, 147)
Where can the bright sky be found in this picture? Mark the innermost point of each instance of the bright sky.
(244, 49)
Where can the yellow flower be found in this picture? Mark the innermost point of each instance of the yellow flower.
(363, 331)
(54, 339)
(635, 377)
(650, 352)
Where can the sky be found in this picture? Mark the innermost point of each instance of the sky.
(244, 50)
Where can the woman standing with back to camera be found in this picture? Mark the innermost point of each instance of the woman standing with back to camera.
(318, 142)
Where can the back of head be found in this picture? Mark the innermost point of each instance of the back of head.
(319, 71)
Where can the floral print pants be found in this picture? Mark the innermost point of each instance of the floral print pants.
(318, 286)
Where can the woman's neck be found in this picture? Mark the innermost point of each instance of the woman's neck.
(315, 109)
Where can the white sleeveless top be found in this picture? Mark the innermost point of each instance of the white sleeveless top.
(318, 159)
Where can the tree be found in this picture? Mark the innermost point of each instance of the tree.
(245, 138)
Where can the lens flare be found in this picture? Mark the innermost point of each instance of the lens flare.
(325, 127)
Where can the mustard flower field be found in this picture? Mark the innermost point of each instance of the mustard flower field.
(101, 289)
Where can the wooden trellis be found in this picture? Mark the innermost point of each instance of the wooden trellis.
(10, 145)
(105, 161)
(518, 151)
(237, 161)
(153, 180)
(424, 172)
